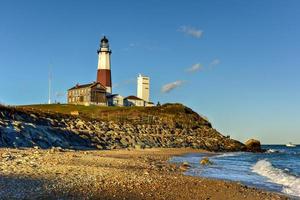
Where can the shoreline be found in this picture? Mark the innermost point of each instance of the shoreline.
(111, 174)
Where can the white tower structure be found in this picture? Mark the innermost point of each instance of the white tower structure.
(143, 87)
(104, 73)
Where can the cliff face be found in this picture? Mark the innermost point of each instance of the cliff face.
(171, 125)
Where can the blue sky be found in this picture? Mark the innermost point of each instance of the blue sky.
(235, 62)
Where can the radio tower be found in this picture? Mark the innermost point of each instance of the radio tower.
(49, 86)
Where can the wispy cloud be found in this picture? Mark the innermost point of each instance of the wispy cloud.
(194, 68)
(130, 46)
(145, 46)
(171, 86)
(214, 62)
(192, 31)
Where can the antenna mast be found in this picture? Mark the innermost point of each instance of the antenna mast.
(49, 86)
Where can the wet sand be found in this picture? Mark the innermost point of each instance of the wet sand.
(115, 174)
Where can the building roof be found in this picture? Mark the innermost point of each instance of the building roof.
(77, 86)
(133, 98)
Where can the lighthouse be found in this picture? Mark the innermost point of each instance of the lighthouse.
(104, 73)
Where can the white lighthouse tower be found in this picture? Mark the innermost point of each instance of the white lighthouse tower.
(104, 73)
(143, 87)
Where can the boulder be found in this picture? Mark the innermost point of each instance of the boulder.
(184, 166)
(79, 123)
(18, 118)
(253, 145)
(205, 161)
(124, 142)
(56, 149)
(74, 113)
(2, 115)
(139, 146)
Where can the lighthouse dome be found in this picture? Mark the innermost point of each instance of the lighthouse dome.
(104, 40)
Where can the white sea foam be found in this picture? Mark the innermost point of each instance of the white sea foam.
(272, 151)
(290, 183)
(227, 155)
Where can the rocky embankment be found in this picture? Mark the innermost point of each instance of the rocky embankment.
(25, 128)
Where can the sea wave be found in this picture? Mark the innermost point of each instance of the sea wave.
(274, 151)
(227, 154)
(290, 183)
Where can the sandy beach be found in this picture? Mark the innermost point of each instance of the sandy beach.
(116, 174)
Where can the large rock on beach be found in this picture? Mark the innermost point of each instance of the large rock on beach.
(184, 166)
(253, 145)
(205, 161)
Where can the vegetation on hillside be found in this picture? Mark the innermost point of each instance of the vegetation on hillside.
(168, 126)
(171, 113)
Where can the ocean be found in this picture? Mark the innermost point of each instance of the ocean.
(276, 170)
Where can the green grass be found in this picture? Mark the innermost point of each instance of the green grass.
(67, 108)
(169, 113)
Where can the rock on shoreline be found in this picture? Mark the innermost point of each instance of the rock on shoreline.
(23, 128)
(253, 145)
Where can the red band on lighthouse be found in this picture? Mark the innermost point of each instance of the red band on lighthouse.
(104, 77)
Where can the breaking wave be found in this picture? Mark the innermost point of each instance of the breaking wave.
(290, 183)
(227, 154)
(273, 151)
